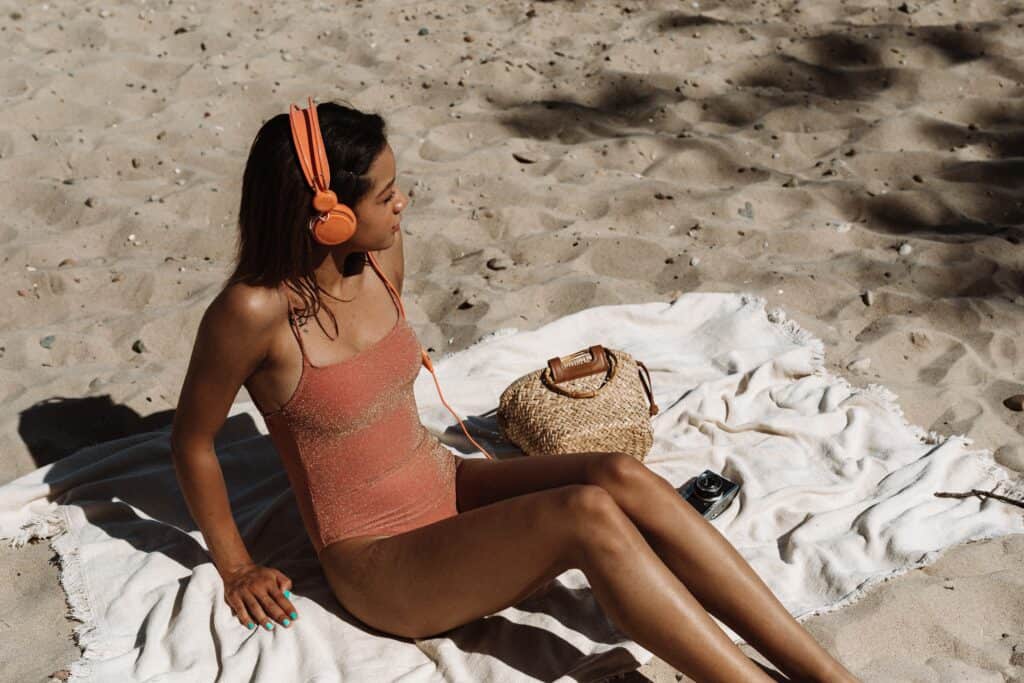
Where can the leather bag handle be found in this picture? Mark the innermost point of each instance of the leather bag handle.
(647, 387)
(576, 365)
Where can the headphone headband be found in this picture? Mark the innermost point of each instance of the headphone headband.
(309, 145)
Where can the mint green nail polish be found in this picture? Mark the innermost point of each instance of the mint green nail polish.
(287, 594)
(251, 626)
(286, 622)
(293, 615)
(270, 626)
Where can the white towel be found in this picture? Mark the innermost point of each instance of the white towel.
(837, 494)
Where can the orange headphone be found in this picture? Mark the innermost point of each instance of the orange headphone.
(336, 222)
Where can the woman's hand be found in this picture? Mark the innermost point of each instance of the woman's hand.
(258, 594)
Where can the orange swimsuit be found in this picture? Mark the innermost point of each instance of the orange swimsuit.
(357, 456)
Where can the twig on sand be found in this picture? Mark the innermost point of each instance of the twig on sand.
(980, 493)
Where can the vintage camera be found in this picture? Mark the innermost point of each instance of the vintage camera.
(709, 493)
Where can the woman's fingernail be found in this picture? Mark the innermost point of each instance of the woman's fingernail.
(287, 593)
(286, 622)
(270, 625)
(251, 626)
(293, 615)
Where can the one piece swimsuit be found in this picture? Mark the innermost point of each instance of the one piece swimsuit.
(350, 438)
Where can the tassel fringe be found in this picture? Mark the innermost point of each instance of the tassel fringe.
(54, 524)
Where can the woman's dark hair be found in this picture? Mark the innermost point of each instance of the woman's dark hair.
(274, 242)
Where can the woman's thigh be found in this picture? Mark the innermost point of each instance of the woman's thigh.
(482, 481)
(450, 572)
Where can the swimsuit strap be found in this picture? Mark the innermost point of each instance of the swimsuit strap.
(387, 283)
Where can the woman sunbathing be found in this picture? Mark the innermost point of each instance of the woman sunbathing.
(414, 540)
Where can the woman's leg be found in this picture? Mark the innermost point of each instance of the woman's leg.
(453, 571)
(689, 545)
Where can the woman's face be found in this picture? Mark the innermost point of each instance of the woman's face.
(379, 211)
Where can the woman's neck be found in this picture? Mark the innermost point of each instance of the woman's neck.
(342, 284)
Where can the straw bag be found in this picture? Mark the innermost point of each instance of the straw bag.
(593, 400)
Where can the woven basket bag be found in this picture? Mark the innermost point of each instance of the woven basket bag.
(596, 399)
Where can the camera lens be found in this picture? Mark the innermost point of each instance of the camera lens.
(708, 485)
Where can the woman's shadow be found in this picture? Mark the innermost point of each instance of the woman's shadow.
(114, 463)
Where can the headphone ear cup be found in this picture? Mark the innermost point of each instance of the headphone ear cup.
(339, 226)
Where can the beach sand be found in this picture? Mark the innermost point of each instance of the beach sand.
(858, 164)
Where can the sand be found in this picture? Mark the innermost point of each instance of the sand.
(857, 163)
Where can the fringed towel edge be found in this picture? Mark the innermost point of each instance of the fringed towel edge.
(55, 525)
(867, 584)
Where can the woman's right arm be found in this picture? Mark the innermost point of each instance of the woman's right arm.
(232, 340)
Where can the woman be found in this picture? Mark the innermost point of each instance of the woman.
(412, 539)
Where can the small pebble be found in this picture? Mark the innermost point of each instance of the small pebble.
(47, 341)
(91, 202)
(1015, 402)
(136, 162)
(138, 346)
(695, 261)
(859, 365)
(868, 297)
(905, 249)
(424, 31)
(747, 211)
(67, 262)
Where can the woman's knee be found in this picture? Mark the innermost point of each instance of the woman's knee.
(593, 519)
(615, 469)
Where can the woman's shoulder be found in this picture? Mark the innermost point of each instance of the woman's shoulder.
(249, 307)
